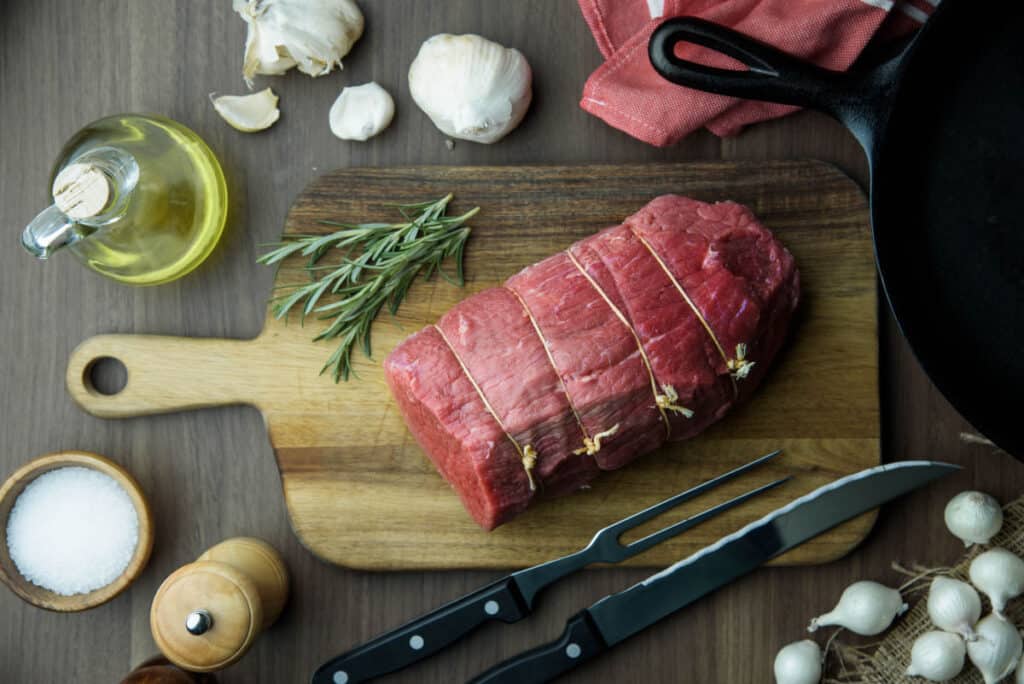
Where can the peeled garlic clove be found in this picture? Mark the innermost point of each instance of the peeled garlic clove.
(954, 606)
(937, 656)
(974, 517)
(996, 650)
(248, 113)
(361, 112)
(999, 574)
(470, 87)
(311, 34)
(798, 663)
(866, 608)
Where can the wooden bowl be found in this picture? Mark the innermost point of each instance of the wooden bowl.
(44, 598)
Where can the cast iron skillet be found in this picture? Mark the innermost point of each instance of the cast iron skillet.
(943, 128)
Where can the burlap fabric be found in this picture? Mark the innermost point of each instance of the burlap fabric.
(886, 661)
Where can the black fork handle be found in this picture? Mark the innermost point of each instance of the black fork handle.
(771, 74)
(426, 635)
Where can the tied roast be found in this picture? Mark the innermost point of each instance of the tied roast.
(643, 333)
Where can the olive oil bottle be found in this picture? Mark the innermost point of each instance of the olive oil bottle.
(138, 198)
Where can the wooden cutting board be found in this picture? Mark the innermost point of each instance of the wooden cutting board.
(359, 490)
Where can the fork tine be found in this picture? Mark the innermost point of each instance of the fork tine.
(672, 530)
(657, 509)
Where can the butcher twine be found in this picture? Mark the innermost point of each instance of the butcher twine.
(591, 445)
(527, 454)
(885, 662)
(551, 360)
(738, 367)
(666, 401)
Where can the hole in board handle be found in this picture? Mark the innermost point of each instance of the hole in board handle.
(105, 376)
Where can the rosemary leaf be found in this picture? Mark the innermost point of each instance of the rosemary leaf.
(377, 264)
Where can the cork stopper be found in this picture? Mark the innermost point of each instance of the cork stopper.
(81, 191)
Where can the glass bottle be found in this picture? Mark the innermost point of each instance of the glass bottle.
(138, 198)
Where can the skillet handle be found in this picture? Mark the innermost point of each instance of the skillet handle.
(771, 74)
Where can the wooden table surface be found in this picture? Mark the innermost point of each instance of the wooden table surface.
(211, 474)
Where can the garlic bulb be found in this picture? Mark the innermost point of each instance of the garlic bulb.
(311, 34)
(866, 608)
(997, 649)
(470, 87)
(974, 517)
(798, 663)
(999, 574)
(248, 113)
(937, 656)
(361, 112)
(954, 606)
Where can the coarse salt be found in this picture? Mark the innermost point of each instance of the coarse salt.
(72, 530)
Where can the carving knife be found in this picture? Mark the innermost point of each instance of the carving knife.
(512, 598)
(619, 616)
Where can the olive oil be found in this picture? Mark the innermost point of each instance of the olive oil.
(138, 198)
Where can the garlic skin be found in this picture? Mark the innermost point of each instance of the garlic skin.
(937, 656)
(361, 112)
(470, 87)
(798, 663)
(311, 34)
(866, 608)
(974, 517)
(248, 113)
(954, 606)
(996, 651)
(999, 574)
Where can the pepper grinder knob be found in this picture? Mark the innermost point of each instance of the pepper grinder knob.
(223, 600)
(198, 622)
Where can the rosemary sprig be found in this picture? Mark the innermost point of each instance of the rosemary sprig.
(378, 264)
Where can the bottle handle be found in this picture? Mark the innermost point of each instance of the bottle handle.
(50, 230)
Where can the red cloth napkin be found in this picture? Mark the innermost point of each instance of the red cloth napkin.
(628, 94)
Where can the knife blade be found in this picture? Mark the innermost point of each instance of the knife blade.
(619, 616)
(512, 598)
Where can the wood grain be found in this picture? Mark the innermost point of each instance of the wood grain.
(260, 562)
(346, 455)
(44, 598)
(241, 582)
(211, 474)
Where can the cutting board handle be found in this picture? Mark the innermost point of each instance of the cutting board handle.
(165, 374)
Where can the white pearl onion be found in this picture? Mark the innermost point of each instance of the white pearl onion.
(954, 606)
(999, 574)
(798, 663)
(866, 608)
(937, 656)
(974, 517)
(997, 649)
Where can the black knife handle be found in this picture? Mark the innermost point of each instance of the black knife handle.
(580, 642)
(426, 635)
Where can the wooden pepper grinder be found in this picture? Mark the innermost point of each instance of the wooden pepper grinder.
(206, 614)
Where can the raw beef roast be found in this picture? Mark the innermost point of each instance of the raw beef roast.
(644, 333)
